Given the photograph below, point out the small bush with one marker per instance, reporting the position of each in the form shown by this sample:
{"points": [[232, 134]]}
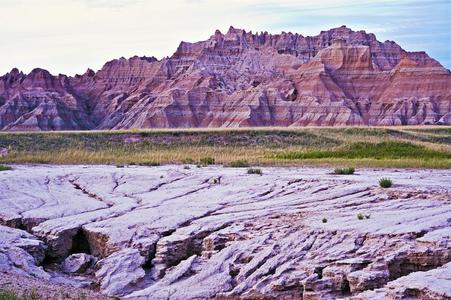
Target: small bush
{"points": [[150, 164], [385, 182], [240, 163], [344, 171], [5, 168], [324, 220], [360, 216], [205, 161], [33, 295], [189, 161], [119, 166], [8, 295], [254, 171], [186, 167]]}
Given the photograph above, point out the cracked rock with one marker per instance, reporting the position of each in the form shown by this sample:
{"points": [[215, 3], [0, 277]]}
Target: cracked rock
{"points": [[78, 263]]}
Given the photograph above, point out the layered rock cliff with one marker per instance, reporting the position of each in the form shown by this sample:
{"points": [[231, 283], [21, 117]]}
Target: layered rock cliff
{"points": [[339, 77]]}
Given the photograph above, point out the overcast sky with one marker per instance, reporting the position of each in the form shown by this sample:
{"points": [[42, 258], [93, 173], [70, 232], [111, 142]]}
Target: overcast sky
{"points": [[68, 36]]}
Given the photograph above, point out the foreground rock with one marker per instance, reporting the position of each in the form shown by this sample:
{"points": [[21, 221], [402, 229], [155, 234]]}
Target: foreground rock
{"points": [[78, 263], [239, 78], [174, 233]]}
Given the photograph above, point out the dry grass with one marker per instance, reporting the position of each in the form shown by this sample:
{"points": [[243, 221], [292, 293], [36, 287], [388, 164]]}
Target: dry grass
{"points": [[418, 147]]}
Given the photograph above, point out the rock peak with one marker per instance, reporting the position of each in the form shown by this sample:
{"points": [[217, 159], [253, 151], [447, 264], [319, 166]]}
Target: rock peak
{"points": [[215, 82]]}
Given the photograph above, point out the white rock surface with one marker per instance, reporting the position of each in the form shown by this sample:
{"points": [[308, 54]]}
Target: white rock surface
{"points": [[21, 253], [120, 271], [78, 263], [171, 233]]}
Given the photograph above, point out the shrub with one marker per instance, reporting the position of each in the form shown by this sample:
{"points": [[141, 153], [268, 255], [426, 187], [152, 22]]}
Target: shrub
{"points": [[205, 161], [8, 295], [186, 167], [189, 161], [344, 171], [385, 182], [5, 168], [361, 216], [240, 163], [119, 166], [150, 164], [324, 220], [254, 171], [34, 295]]}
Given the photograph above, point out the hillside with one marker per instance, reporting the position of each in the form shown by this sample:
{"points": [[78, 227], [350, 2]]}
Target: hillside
{"points": [[239, 79]]}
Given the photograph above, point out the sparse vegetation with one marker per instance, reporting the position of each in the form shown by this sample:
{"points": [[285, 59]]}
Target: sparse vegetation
{"points": [[205, 161], [344, 171], [361, 216], [31, 294], [5, 168], [254, 171], [240, 163], [8, 295], [150, 163], [428, 147], [385, 182], [188, 161]]}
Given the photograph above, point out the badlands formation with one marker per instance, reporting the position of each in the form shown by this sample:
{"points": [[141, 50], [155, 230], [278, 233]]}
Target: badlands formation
{"points": [[175, 233], [339, 77]]}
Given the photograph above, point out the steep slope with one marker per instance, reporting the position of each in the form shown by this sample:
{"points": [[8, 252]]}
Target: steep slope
{"points": [[339, 77]]}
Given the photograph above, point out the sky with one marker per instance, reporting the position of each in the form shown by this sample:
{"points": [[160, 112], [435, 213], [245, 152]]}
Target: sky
{"points": [[68, 36]]}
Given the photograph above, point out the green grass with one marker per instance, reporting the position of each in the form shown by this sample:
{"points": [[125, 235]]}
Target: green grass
{"points": [[240, 163], [402, 147], [26, 295], [385, 183], [206, 161], [382, 150], [344, 171], [150, 163], [5, 168], [8, 295]]}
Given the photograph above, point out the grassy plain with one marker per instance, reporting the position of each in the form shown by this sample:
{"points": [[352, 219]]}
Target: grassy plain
{"points": [[416, 146]]}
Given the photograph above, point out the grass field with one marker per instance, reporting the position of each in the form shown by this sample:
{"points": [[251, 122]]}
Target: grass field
{"points": [[427, 146]]}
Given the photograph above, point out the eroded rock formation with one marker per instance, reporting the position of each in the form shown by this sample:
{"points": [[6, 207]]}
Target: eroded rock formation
{"points": [[339, 77], [174, 233]]}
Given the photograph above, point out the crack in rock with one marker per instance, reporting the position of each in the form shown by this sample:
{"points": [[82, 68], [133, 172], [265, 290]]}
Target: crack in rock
{"points": [[292, 233]]}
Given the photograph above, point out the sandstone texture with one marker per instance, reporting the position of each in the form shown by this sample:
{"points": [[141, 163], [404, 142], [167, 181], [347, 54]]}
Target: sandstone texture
{"points": [[174, 233], [339, 77]]}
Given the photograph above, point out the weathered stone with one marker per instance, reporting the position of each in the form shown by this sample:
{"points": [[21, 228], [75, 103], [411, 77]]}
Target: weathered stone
{"points": [[78, 263], [182, 236], [20, 253], [120, 271]]}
